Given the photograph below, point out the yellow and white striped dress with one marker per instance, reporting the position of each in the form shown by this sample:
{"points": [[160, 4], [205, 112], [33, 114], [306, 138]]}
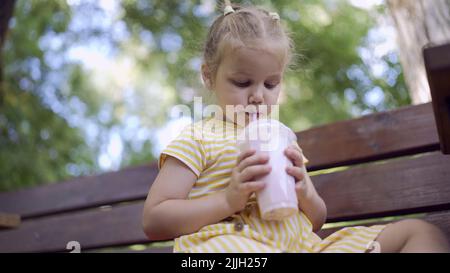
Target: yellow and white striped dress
{"points": [[209, 149]]}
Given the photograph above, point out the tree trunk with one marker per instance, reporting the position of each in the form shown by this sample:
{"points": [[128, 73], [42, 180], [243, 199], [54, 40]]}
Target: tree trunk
{"points": [[418, 23], [6, 12]]}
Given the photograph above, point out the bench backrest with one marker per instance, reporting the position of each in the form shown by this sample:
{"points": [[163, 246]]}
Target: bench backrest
{"points": [[391, 166]]}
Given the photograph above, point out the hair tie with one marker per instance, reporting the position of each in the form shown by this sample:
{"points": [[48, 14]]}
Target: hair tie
{"points": [[274, 16], [228, 9]]}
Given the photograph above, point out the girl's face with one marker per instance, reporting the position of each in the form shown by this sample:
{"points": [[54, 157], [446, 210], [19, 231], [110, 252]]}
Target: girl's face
{"points": [[248, 76]]}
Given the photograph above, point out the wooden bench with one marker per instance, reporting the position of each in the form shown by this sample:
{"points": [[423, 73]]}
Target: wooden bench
{"points": [[390, 164]]}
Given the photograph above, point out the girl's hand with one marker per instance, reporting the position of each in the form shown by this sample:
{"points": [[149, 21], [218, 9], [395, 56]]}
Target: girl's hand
{"points": [[250, 165], [298, 171], [309, 200]]}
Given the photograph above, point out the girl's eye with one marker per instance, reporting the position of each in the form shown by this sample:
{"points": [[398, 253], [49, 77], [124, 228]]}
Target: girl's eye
{"points": [[242, 84], [270, 85]]}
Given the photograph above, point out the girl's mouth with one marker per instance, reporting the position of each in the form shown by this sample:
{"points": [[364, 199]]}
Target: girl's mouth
{"points": [[257, 115]]}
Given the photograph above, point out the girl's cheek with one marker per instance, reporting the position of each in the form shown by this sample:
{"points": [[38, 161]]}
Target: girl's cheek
{"points": [[238, 95], [272, 99]]}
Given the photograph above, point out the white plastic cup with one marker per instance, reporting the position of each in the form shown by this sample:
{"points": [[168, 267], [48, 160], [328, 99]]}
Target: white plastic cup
{"points": [[278, 199]]}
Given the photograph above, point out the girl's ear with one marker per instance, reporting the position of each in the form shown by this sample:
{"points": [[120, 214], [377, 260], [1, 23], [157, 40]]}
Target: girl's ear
{"points": [[206, 76]]}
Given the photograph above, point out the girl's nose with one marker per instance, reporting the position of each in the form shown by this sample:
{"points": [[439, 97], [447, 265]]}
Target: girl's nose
{"points": [[256, 96]]}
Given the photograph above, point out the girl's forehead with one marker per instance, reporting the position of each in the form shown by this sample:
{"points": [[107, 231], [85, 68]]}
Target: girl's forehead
{"points": [[246, 59]]}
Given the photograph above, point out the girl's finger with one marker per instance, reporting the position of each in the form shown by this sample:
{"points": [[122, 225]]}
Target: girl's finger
{"points": [[252, 171], [244, 155], [296, 148], [295, 156], [254, 159], [296, 172], [251, 186]]}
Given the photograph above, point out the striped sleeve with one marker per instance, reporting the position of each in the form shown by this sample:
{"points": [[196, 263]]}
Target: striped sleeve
{"points": [[305, 160], [186, 148]]}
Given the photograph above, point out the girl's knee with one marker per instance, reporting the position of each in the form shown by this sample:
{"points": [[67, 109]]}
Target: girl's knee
{"points": [[416, 227], [412, 235], [424, 236]]}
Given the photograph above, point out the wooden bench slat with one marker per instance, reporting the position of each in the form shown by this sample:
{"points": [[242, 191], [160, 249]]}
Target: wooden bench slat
{"points": [[437, 64], [125, 185], [437, 58], [404, 131], [405, 185], [92, 228]]}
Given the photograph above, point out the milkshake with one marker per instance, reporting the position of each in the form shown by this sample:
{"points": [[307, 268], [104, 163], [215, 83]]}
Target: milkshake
{"points": [[278, 199]]}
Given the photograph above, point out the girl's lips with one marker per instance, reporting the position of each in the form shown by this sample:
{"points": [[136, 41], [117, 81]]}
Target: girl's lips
{"points": [[248, 114]]}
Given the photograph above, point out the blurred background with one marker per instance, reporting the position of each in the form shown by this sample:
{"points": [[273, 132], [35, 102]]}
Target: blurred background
{"points": [[87, 86]]}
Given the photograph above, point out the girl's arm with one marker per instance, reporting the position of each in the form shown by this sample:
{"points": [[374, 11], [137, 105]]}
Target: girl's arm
{"points": [[167, 211], [312, 204]]}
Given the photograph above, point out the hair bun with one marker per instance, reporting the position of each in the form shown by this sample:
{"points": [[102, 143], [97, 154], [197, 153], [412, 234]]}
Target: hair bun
{"points": [[228, 9], [274, 16]]}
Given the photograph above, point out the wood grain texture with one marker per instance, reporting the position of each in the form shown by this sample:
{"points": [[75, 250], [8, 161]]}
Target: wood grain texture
{"points": [[92, 228], [437, 64], [125, 185], [404, 131], [405, 185]]}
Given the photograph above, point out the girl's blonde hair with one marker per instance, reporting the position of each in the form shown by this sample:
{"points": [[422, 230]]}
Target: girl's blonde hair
{"points": [[247, 26]]}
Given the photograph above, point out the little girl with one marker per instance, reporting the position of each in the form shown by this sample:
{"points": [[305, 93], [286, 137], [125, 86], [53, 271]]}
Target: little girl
{"points": [[204, 194]]}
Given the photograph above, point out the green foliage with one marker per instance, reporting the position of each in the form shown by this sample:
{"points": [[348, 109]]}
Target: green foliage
{"points": [[36, 144], [327, 38]]}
